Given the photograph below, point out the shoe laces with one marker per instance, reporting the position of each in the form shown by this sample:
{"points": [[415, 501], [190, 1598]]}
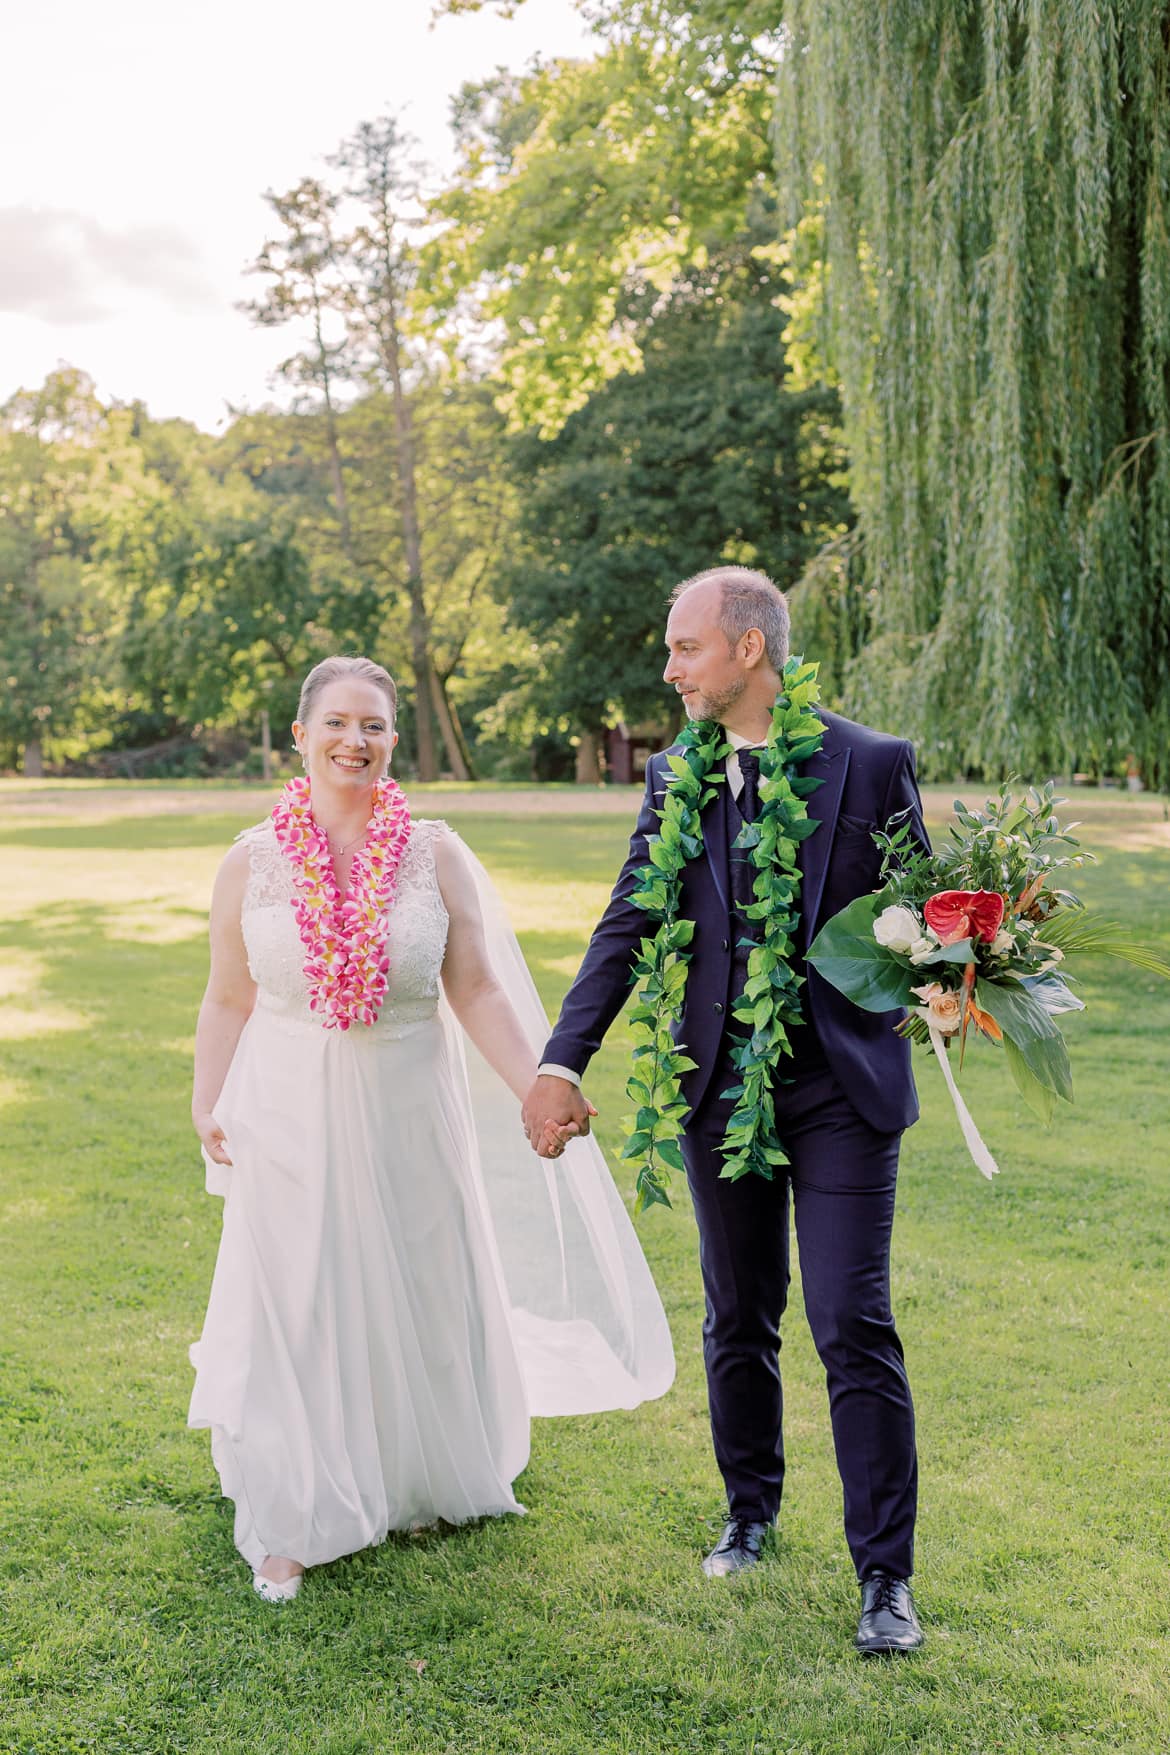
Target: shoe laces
{"points": [[885, 1594], [736, 1533]]}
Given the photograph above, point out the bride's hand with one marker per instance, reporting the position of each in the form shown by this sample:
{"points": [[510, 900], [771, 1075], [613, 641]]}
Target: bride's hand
{"points": [[212, 1136], [556, 1134]]}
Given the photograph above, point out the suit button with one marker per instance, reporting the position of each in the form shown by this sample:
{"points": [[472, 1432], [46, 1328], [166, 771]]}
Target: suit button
{"points": [[726, 944], [718, 1007]]}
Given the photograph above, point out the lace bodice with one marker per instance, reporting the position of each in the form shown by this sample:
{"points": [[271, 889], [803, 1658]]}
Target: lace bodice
{"points": [[415, 943]]}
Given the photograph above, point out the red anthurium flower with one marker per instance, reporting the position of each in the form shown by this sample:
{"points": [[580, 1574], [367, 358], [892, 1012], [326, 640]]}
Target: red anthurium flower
{"points": [[957, 914]]}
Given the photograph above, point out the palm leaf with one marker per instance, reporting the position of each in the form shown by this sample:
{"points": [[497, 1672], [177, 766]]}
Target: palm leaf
{"points": [[1078, 932]]}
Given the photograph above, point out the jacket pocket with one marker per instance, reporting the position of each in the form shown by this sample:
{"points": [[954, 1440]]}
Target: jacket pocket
{"points": [[855, 826]]}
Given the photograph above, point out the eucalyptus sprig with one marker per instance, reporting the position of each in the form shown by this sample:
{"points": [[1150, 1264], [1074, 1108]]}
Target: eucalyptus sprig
{"points": [[770, 1003], [1009, 845]]}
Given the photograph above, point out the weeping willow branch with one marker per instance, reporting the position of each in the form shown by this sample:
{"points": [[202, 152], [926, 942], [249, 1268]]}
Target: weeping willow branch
{"points": [[992, 179]]}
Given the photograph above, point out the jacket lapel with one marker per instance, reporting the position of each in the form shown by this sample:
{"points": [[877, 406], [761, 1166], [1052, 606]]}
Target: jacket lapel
{"points": [[714, 823], [715, 843], [830, 767]]}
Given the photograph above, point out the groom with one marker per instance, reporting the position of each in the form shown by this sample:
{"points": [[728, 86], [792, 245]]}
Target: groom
{"points": [[847, 1094]]}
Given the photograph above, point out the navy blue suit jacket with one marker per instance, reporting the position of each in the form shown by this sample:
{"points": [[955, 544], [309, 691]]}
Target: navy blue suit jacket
{"points": [[868, 779]]}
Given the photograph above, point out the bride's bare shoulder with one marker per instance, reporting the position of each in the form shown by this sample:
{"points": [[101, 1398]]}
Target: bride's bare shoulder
{"points": [[231, 880], [234, 867], [451, 869], [239, 853], [436, 837]]}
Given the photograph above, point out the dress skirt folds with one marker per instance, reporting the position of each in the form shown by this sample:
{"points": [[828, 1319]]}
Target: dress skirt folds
{"points": [[400, 1282]]}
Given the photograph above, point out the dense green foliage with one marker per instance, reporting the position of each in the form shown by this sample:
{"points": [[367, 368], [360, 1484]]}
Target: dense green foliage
{"points": [[992, 181], [701, 454], [60, 457], [878, 300], [1035, 1316], [976, 201], [587, 187]]}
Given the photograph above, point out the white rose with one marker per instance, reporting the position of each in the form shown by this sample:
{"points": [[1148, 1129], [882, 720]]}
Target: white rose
{"points": [[1003, 943], [924, 947], [897, 928]]}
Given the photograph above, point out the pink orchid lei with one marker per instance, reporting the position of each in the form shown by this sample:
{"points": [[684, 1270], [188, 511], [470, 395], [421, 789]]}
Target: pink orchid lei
{"points": [[344, 937]]}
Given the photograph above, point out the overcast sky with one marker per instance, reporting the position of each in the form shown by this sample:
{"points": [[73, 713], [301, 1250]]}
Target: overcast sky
{"points": [[137, 140]]}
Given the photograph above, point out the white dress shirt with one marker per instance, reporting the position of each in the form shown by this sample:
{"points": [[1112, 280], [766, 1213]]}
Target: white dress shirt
{"points": [[735, 782]]}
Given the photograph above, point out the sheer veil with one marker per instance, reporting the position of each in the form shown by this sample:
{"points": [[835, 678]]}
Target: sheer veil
{"points": [[588, 1323]]}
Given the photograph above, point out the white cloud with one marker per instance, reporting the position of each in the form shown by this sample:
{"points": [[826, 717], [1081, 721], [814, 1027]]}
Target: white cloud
{"points": [[65, 267], [132, 169]]}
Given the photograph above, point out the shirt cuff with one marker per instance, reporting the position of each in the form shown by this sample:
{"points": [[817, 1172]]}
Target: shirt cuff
{"points": [[559, 1072]]}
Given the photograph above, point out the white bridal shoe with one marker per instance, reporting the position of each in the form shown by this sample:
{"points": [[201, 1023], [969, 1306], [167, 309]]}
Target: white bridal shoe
{"points": [[271, 1592]]}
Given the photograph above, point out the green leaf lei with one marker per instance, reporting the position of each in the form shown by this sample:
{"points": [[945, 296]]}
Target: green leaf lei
{"points": [[770, 1003]]}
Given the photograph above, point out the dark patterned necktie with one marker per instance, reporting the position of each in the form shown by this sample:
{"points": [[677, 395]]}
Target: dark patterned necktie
{"points": [[749, 798]]}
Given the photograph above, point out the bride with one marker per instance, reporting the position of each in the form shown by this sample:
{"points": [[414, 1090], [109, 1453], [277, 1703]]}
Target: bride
{"points": [[400, 1284]]}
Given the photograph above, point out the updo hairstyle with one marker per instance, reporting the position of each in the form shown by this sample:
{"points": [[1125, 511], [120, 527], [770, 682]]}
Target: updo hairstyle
{"points": [[330, 669]]}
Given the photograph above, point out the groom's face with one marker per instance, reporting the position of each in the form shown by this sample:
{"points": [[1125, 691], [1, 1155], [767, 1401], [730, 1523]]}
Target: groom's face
{"points": [[707, 673]]}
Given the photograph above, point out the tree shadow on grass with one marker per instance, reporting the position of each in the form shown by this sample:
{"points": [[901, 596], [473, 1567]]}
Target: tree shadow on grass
{"points": [[129, 834]]}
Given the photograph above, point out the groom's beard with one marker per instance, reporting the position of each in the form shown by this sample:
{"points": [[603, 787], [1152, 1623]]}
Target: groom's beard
{"points": [[714, 705]]}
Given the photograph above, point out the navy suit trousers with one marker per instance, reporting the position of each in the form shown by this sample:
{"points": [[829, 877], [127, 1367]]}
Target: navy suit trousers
{"points": [[842, 1176]]}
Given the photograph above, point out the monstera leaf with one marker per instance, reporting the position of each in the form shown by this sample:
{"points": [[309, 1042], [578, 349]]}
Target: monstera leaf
{"points": [[849, 958], [1030, 1029]]}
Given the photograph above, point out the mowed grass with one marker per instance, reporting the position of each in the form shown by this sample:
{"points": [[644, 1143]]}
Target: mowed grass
{"points": [[1035, 1314]]}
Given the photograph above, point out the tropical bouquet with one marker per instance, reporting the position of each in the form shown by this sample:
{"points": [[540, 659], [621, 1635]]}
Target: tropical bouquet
{"points": [[975, 940]]}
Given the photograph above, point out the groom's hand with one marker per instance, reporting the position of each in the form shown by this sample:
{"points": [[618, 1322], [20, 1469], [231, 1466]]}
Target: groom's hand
{"points": [[554, 1100]]}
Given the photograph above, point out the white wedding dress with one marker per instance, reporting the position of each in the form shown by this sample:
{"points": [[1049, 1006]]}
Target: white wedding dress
{"points": [[400, 1281]]}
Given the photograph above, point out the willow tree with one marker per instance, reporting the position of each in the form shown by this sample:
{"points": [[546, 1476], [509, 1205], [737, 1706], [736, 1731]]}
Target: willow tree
{"points": [[992, 178]]}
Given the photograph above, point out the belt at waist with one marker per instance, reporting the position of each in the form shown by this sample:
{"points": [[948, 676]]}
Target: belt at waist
{"points": [[398, 1018]]}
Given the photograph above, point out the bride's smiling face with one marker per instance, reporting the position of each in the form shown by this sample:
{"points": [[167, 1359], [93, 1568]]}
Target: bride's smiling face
{"points": [[349, 736]]}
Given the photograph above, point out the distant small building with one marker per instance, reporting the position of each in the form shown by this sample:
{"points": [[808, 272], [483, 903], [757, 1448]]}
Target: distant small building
{"points": [[629, 747]]}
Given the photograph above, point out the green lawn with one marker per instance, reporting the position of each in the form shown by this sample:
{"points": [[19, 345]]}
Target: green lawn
{"points": [[1035, 1313]]}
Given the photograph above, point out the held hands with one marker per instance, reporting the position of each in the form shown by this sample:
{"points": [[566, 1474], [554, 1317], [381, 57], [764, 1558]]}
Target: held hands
{"points": [[554, 1138], [212, 1137], [554, 1111]]}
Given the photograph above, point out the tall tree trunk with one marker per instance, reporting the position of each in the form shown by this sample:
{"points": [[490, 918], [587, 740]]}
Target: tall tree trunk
{"points": [[428, 767], [34, 759], [372, 154], [335, 470], [424, 730], [457, 752], [265, 744], [460, 734], [589, 759]]}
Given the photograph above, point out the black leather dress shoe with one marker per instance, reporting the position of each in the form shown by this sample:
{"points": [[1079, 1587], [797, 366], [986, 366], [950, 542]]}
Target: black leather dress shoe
{"points": [[888, 1622], [740, 1545]]}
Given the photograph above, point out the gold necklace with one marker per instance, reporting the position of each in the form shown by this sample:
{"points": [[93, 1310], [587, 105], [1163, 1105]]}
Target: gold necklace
{"points": [[340, 852]]}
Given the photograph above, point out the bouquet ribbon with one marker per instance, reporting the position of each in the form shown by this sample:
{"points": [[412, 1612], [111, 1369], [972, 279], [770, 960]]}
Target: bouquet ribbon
{"points": [[983, 1159]]}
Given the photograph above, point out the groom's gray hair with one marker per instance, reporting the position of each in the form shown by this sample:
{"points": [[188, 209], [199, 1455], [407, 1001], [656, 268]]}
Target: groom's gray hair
{"points": [[747, 600]]}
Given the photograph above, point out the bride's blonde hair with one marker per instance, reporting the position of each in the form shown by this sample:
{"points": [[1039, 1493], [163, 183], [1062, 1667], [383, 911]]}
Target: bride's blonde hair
{"points": [[330, 669]]}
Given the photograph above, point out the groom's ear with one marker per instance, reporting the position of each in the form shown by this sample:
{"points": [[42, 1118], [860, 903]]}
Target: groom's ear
{"points": [[752, 647]]}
